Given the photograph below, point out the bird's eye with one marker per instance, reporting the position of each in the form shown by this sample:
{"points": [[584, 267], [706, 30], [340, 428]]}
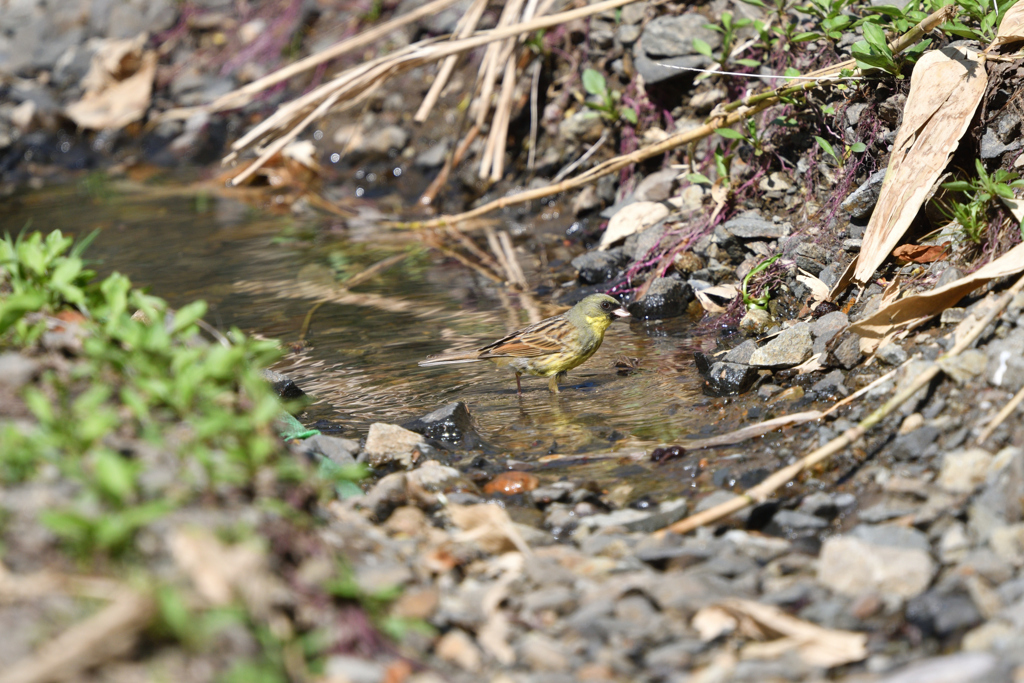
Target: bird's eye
{"points": [[606, 305]]}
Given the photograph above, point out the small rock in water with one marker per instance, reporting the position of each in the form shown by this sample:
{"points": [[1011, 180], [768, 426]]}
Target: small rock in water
{"points": [[282, 385], [791, 348], [337, 450], [451, 426], [755, 322], [512, 483], [667, 297], [729, 379]]}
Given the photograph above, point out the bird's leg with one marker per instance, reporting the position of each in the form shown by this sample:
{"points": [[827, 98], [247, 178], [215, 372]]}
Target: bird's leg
{"points": [[553, 383], [519, 386]]}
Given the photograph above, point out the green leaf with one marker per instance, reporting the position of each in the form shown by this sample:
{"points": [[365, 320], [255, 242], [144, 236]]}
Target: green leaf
{"points": [[858, 147], [187, 315], [806, 36], [827, 146], [594, 82], [753, 63], [791, 72], [15, 306], [958, 186], [701, 47], [698, 179], [115, 475], [629, 115], [875, 37], [730, 134]]}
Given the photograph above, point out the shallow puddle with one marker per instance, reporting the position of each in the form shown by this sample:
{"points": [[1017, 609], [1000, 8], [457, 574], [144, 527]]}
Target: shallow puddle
{"points": [[266, 275]]}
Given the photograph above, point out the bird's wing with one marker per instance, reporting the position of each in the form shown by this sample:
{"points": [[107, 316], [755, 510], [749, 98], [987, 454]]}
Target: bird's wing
{"points": [[540, 339]]}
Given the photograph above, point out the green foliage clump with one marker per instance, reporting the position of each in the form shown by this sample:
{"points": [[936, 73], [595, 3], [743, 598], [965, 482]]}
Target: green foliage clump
{"points": [[607, 101], [975, 213]]}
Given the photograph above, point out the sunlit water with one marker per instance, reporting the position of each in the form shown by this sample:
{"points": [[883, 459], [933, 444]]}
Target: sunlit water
{"points": [[265, 274]]}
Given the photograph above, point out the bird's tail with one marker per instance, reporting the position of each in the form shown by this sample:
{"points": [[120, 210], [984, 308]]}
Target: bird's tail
{"points": [[452, 358]]}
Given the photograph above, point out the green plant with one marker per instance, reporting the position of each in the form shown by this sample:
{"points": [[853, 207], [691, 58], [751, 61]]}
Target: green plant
{"points": [[833, 22], [983, 17], [761, 302], [840, 159], [723, 164], [607, 102], [727, 27], [973, 215], [752, 137]]}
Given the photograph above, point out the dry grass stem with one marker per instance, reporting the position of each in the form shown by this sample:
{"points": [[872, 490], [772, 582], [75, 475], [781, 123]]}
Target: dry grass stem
{"points": [[1000, 418], [762, 491], [465, 28], [516, 275]]}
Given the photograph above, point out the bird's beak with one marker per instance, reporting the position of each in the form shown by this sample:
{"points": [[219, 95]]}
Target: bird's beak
{"points": [[621, 313]]}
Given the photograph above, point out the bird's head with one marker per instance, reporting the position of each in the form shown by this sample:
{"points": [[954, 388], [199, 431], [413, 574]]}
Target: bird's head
{"points": [[598, 311]]}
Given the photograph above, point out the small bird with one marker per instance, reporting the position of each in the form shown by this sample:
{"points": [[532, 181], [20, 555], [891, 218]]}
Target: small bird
{"points": [[549, 348]]}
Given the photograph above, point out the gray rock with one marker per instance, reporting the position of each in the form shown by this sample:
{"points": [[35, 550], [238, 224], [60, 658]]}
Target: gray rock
{"points": [[811, 257], [390, 444], [382, 140], [798, 521], [882, 512], [1006, 362], [847, 353], [451, 425], [861, 201], [891, 535], [828, 326], [853, 245], [750, 226], [337, 450], [638, 245], [830, 383], [742, 353], [16, 370], [851, 566], [660, 69], [657, 187], [791, 348], [672, 36], [949, 275], [354, 669], [943, 614], [647, 521], [819, 504], [598, 267], [992, 148], [755, 322], [892, 354], [667, 297], [628, 34], [729, 379], [585, 125], [952, 316], [962, 667], [915, 444], [433, 156]]}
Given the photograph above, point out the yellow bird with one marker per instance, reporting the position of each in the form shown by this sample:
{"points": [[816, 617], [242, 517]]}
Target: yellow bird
{"points": [[549, 348]]}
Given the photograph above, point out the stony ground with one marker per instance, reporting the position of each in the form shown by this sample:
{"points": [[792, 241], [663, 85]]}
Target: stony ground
{"points": [[898, 561]]}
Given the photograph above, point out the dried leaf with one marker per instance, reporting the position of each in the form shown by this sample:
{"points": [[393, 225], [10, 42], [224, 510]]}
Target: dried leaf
{"points": [[716, 299], [921, 253], [819, 290], [816, 646], [1016, 206], [630, 219], [712, 622], [489, 526], [119, 102], [914, 310], [1011, 30], [945, 90]]}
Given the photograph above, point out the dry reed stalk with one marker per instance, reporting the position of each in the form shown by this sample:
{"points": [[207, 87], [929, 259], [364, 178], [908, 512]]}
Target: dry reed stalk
{"points": [[517, 276], [762, 491], [727, 116], [470, 246], [531, 157], [499, 253], [242, 96], [1004, 413], [357, 83], [467, 25]]}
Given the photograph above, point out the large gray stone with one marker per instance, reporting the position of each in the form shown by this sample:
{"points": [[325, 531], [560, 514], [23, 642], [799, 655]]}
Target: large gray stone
{"points": [[861, 201], [854, 567], [791, 348], [751, 226]]}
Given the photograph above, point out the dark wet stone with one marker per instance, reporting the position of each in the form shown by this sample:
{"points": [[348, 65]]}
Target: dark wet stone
{"points": [[848, 354], [751, 226], [598, 267], [751, 478], [451, 426], [819, 504], [703, 362], [667, 297], [791, 348], [913, 445], [282, 385], [942, 614], [830, 383], [729, 379], [861, 201]]}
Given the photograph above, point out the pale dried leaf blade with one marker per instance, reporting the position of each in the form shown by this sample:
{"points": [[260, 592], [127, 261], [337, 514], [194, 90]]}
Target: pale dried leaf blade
{"points": [[120, 103], [713, 621], [489, 526], [1011, 29], [914, 310], [819, 290], [715, 299], [945, 90], [817, 646], [630, 219]]}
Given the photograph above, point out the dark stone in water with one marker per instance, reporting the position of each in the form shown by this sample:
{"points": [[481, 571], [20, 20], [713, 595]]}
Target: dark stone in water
{"points": [[598, 267], [667, 297], [729, 379], [450, 426], [282, 385]]}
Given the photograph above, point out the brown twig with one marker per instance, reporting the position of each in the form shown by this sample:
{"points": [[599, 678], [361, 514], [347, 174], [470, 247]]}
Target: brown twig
{"points": [[1006, 411], [762, 491]]}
